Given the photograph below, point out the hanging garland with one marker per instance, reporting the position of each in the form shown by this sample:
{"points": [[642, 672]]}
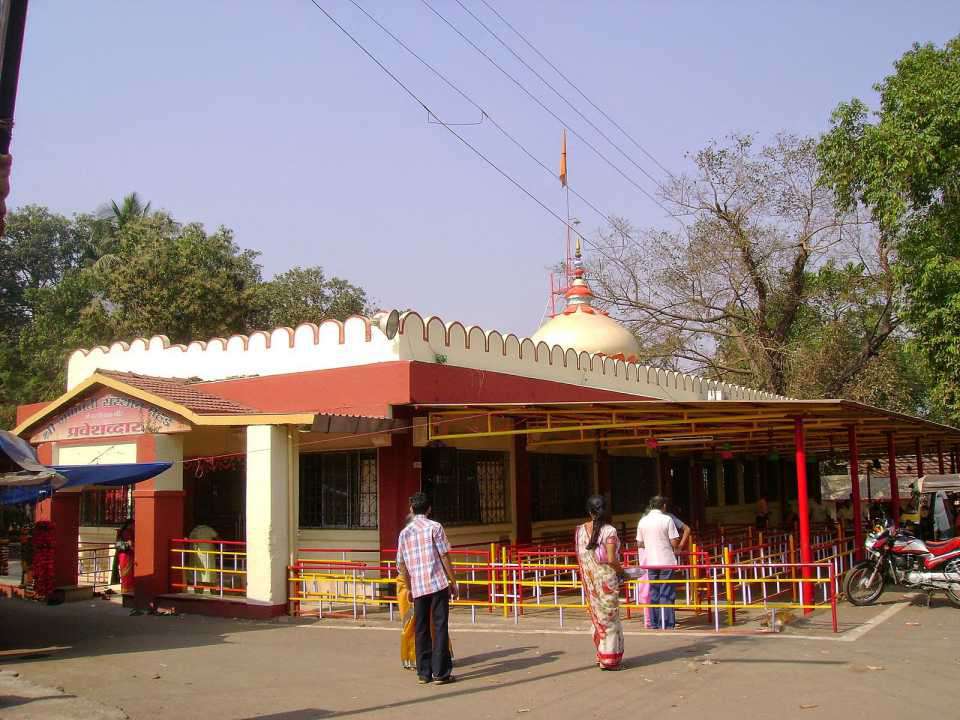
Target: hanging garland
{"points": [[42, 542], [198, 467]]}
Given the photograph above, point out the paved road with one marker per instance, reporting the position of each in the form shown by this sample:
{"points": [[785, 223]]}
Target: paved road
{"points": [[195, 667]]}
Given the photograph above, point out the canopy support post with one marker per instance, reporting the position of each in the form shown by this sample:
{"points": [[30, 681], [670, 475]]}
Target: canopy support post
{"points": [[803, 510], [894, 486], [855, 493]]}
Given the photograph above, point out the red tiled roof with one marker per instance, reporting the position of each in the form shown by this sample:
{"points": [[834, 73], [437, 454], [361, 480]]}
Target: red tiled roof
{"points": [[907, 465], [183, 392]]}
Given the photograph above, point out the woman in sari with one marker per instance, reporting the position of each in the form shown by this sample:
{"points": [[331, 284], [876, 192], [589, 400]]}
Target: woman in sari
{"points": [[408, 649], [598, 553], [123, 558]]}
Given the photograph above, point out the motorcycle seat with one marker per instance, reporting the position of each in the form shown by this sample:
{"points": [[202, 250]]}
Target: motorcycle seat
{"points": [[942, 547]]}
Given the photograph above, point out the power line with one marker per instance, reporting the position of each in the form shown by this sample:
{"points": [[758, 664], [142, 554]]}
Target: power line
{"points": [[539, 102], [574, 86], [558, 93], [483, 110], [449, 129]]}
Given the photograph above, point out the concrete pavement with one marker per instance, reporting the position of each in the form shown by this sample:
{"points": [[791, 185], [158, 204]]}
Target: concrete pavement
{"points": [[197, 667]]}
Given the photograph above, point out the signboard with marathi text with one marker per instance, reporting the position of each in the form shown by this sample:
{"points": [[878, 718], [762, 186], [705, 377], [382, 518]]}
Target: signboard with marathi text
{"points": [[107, 414]]}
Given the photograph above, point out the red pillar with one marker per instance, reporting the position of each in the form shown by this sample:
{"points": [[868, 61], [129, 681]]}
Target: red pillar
{"points": [[855, 492], [524, 490], [919, 459], [894, 486], [940, 457], [399, 479], [63, 510], [803, 510], [157, 519]]}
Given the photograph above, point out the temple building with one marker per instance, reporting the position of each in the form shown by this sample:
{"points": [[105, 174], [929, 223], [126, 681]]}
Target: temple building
{"points": [[316, 436]]}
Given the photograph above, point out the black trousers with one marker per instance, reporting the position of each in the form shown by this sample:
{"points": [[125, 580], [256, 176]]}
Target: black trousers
{"points": [[433, 648]]}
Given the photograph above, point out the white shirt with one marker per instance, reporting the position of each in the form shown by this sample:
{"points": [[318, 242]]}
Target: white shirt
{"points": [[655, 531]]}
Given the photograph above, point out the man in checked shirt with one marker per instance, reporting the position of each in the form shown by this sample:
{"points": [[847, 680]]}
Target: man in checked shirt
{"points": [[424, 563]]}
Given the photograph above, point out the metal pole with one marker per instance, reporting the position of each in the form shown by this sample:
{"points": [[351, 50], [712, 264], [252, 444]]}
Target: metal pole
{"points": [[14, 20], [800, 442], [894, 486], [855, 492]]}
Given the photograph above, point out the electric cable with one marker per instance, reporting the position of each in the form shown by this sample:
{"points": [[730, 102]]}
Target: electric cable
{"points": [[558, 94], [575, 87], [546, 109], [477, 152], [453, 86]]}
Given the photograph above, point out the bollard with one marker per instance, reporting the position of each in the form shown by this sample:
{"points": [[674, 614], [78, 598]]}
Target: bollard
{"points": [[792, 554], [503, 558], [731, 617]]}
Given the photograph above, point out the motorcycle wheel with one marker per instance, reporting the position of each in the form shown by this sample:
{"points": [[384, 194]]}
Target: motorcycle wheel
{"points": [[953, 595], [855, 584]]}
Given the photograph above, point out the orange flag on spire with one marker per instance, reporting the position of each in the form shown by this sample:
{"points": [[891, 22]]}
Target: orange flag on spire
{"points": [[563, 160]]}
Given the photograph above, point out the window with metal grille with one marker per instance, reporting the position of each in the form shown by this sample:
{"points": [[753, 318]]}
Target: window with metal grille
{"points": [[561, 485], [710, 489], [633, 481], [338, 489], [731, 488], [106, 506], [466, 487]]}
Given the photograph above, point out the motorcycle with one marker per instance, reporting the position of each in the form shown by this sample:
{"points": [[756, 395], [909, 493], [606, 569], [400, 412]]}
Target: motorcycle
{"points": [[897, 556]]}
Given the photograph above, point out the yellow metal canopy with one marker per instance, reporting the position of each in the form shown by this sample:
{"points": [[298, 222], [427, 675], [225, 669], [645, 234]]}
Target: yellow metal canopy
{"points": [[745, 427]]}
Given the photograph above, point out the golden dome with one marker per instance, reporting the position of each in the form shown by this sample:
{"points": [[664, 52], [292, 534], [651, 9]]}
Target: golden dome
{"points": [[582, 327]]}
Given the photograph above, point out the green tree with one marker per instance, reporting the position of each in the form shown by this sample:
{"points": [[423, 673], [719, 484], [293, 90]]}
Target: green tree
{"points": [[306, 295], [903, 164], [37, 251], [763, 275], [178, 280], [67, 283]]}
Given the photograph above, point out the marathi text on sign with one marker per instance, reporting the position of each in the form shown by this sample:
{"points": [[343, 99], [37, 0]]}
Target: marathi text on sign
{"points": [[106, 414]]}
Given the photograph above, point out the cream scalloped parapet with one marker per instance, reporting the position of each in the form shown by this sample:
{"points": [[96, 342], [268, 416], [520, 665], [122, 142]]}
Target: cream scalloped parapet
{"points": [[359, 341]]}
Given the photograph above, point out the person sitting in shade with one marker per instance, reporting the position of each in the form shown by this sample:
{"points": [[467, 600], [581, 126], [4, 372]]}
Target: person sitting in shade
{"points": [[205, 557]]}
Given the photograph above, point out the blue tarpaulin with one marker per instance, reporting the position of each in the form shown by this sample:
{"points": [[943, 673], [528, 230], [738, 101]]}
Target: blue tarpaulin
{"points": [[27, 480], [19, 466], [77, 475]]}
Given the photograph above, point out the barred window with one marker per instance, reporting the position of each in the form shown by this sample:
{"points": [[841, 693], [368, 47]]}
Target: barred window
{"points": [[338, 490], [561, 485], [731, 489], [466, 487], [106, 506], [633, 481]]}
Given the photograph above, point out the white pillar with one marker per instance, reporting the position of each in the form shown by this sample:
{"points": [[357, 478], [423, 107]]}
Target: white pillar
{"points": [[268, 496], [169, 448]]}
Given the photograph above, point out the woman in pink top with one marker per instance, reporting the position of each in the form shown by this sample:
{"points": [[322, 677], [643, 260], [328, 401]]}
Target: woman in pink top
{"points": [[598, 553]]}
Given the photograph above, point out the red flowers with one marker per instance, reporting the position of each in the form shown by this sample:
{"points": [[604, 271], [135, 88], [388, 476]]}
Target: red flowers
{"points": [[42, 542]]}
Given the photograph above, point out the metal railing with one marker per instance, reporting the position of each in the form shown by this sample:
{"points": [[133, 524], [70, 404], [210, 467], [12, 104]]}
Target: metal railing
{"points": [[95, 565], [213, 567], [513, 583]]}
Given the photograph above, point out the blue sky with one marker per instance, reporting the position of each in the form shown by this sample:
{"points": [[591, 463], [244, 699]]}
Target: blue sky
{"points": [[263, 117]]}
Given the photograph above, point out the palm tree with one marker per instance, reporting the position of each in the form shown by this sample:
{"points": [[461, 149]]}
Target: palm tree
{"points": [[130, 208], [111, 218]]}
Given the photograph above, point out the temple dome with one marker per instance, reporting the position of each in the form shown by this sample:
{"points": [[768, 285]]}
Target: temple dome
{"points": [[584, 328]]}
